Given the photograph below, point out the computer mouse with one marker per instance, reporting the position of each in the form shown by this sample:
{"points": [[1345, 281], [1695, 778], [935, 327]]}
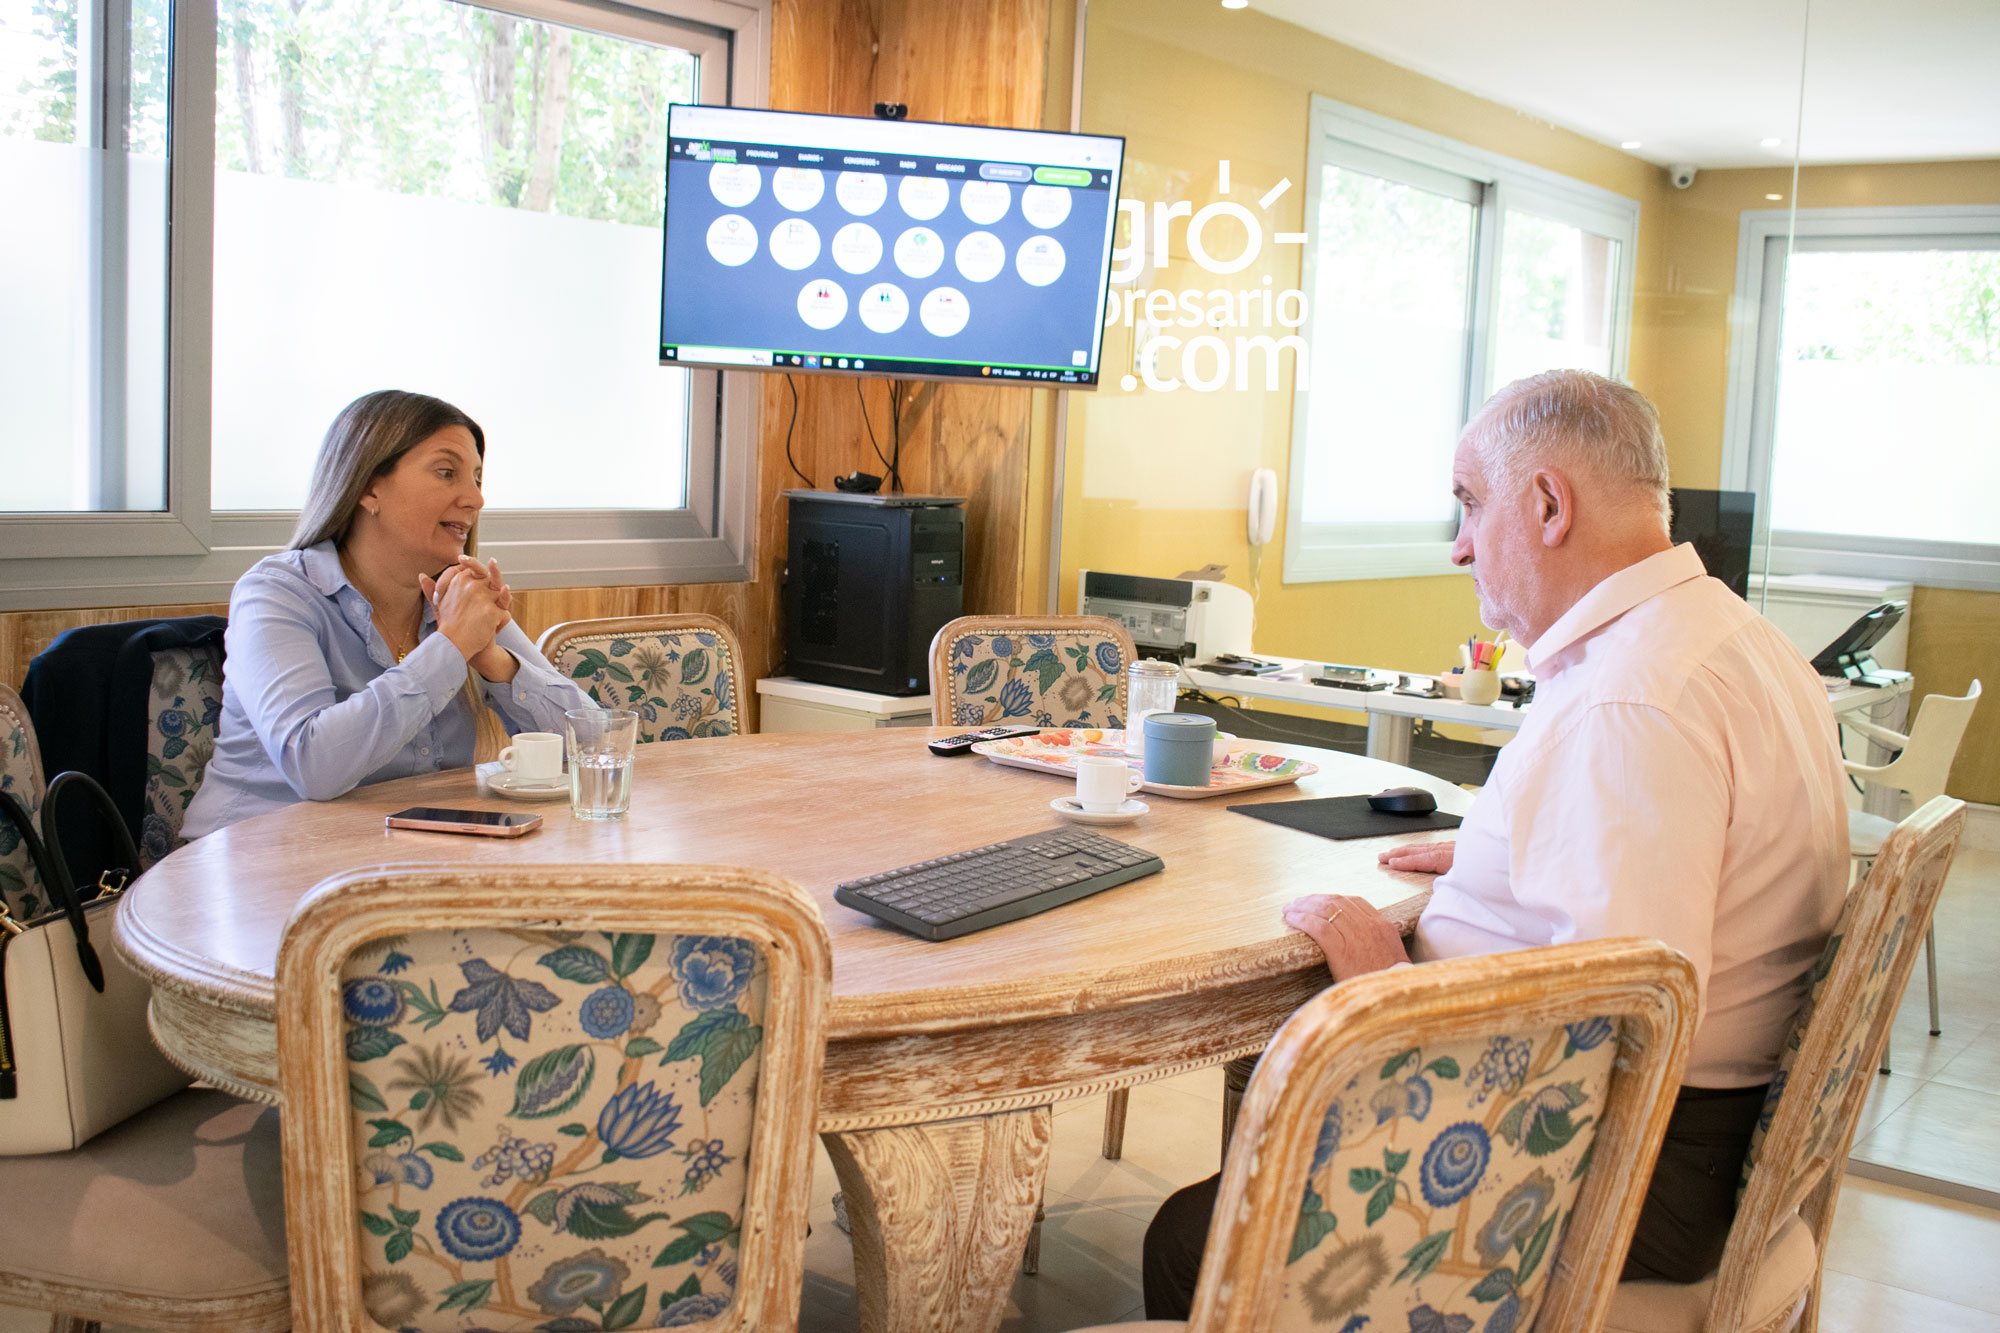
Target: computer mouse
{"points": [[1404, 801]]}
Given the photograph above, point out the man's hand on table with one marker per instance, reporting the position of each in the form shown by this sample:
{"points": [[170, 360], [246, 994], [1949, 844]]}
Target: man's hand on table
{"points": [[1355, 937], [1425, 858]]}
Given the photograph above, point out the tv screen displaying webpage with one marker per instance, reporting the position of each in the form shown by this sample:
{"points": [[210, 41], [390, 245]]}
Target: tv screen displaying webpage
{"points": [[904, 249]]}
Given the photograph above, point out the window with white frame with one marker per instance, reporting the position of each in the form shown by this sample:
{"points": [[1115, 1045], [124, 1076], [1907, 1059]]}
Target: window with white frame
{"points": [[462, 199], [1435, 272], [1864, 401]]}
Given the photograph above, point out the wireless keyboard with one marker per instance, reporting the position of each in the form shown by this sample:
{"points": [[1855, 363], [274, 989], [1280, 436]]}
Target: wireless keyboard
{"points": [[990, 886]]}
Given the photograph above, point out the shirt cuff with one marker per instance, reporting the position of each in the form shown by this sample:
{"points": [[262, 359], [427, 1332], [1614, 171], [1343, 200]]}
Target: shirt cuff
{"points": [[438, 669]]}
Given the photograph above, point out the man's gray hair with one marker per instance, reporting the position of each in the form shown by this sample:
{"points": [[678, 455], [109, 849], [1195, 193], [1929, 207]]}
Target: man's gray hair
{"points": [[1576, 419]]}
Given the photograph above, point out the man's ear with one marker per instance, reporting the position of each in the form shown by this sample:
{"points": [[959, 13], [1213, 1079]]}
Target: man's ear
{"points": [[1555, 505]]}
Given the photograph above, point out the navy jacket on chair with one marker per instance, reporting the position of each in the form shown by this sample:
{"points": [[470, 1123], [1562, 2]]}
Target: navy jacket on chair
{"points": [[87, 695]]}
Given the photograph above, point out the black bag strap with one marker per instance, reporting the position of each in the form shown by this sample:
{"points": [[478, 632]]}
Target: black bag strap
{"points": [[65, 889], [17, 815]]}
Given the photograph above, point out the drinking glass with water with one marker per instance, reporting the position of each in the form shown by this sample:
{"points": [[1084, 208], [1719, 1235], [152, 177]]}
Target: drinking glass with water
{"points": [[601, 743]]}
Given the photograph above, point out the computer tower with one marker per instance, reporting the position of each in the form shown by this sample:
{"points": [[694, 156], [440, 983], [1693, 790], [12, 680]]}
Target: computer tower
{"points": [[869, 581]]}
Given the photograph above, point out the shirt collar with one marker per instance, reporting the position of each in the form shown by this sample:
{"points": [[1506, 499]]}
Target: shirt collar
{"points": [[321, 563], [1613, 597]]}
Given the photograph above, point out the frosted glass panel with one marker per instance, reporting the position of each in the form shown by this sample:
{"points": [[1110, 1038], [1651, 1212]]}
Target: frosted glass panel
{"points": [[1558, 286], [429, 196], [1888, 414], [1392, 276]]}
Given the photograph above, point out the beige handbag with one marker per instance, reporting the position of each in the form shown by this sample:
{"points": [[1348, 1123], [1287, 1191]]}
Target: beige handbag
{"points": [[75, 1057]]}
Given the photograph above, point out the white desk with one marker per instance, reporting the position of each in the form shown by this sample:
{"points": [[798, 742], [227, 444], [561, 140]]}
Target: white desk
{"points": [[1392, 716]]}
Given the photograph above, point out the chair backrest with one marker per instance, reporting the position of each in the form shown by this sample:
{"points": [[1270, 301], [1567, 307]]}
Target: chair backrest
{"points": [[549, 1096], [20, 777], [683, 674], [183, 711], [1823, 1077], [1453, 1146], [1925, 763], [1048, 671]]}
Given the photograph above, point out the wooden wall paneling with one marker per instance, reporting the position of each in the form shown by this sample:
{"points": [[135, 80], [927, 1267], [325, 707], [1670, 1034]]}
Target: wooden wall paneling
{"points": [[25, 633], [1955, 640]]}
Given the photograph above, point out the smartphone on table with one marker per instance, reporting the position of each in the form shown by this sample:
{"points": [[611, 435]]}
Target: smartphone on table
{"points": [[479, 823]]}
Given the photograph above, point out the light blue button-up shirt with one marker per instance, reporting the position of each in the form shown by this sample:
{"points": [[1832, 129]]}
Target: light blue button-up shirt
{"points": [[314, 704]]}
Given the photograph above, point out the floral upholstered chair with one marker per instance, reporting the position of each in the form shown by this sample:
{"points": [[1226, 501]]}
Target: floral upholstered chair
{"points": [[20, 777], [1769, 1276], [1459, 1147], [1050, 671], [682, 674], [560, 1098], [182, 714]]}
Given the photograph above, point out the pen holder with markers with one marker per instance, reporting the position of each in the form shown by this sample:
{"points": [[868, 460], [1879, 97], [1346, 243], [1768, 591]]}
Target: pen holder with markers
{"points": [[1479, 687]]}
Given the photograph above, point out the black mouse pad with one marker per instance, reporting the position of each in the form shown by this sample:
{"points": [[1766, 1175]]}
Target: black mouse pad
{"points": [[1344, 817]]}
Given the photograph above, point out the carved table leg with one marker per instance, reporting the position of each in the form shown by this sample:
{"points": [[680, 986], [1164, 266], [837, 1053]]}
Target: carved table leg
{"points": [[940, 1212]]}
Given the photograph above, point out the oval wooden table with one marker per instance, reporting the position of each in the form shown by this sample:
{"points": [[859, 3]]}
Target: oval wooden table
{"points": [[943, 1059]]}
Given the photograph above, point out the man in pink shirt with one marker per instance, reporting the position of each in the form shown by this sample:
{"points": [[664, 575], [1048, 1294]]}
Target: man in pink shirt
{"points": [[1678, 778]]}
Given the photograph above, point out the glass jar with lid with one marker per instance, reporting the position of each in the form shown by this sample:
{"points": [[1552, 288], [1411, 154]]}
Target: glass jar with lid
{"points": [[1151, 687]]}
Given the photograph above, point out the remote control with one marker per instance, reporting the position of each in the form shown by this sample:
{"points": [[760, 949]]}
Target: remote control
{"points": [[951, 745]]}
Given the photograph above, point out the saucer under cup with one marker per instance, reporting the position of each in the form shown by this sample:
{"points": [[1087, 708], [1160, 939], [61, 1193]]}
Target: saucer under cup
{"points": [[1067, 807]]}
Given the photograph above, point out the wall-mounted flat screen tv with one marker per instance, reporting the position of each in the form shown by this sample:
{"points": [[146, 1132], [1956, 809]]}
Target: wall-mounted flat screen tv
{"points": [[904, 249]]}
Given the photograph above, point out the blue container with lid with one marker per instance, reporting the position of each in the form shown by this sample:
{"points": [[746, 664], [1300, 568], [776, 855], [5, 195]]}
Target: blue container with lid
{"points": [[1180, 748]]}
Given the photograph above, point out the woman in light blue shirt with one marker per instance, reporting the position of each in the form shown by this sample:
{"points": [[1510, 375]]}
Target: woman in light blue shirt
{"points": [[377, 647]]}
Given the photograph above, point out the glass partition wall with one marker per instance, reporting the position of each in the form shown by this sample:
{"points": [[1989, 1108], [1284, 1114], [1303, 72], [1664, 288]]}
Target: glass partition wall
{"points": [[1334, 248]]}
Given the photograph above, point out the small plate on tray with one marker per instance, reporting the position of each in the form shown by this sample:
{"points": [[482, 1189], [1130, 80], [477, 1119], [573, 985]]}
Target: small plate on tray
{"points": [[1055, 751]]}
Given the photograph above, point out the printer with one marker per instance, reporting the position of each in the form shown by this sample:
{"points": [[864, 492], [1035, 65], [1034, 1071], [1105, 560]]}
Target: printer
{"points": [[1176, 620]]}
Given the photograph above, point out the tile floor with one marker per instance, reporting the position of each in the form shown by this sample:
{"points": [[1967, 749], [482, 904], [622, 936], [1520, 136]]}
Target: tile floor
{"points": [[1934, 1123], [1902, 1259]]}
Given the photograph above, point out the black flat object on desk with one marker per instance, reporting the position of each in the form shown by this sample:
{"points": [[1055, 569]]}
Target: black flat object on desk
{"points": [[1342, 817], [1001, 882]]}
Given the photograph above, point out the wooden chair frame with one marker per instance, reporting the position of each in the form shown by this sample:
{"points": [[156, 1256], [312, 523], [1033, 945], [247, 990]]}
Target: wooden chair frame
{"points": [[944, 700], [348, 911], [556, 637], [1351, 1027], [1910, 869]]}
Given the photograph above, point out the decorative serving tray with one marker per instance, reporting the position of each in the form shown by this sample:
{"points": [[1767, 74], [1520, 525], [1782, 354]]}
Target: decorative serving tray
{"points": [[1056, 752]]}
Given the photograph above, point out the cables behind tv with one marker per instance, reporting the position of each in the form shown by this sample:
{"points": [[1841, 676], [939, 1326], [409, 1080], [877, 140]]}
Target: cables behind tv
{"points": [[788, 432], [896, 396], [862, 398]]}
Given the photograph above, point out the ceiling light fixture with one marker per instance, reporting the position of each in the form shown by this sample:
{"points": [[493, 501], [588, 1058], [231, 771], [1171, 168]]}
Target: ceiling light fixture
{"points": [[1774, 198], [1630, 144], [1236, 4], [1769, 143]]}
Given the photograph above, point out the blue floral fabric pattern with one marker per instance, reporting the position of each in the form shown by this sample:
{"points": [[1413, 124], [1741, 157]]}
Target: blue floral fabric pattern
{"points": [[1442, 1182], [1062, 678], [1849, 1061], [182, 716], [551, 1129], [20, 777], [682, 683]]}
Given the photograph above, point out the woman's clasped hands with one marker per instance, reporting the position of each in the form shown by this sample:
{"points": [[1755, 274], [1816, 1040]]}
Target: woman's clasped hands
{"points": [[473, 605]]}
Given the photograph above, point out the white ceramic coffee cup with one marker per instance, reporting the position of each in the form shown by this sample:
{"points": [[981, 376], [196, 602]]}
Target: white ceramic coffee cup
{"points": [[534, 756], [1102, 783]]}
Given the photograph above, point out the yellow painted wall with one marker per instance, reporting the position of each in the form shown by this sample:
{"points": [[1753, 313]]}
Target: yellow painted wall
{"points": [[1954, 634], [1156, 482]]}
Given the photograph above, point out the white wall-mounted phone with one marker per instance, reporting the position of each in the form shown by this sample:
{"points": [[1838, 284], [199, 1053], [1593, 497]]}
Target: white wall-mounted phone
{"points": [[1263, 505]]}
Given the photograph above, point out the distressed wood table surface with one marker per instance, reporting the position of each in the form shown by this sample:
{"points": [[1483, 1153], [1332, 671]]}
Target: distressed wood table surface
{"points": [[943, 1058]]}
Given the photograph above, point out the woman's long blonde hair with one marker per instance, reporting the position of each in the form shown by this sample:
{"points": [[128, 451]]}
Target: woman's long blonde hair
{"points": [[366, 441]]}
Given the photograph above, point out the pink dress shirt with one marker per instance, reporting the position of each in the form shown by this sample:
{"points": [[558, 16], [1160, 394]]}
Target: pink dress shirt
{"points": [[1678, 778]]}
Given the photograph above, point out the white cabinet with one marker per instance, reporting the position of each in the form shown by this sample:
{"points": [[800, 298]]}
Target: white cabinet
{"points": [[785, 704]]}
